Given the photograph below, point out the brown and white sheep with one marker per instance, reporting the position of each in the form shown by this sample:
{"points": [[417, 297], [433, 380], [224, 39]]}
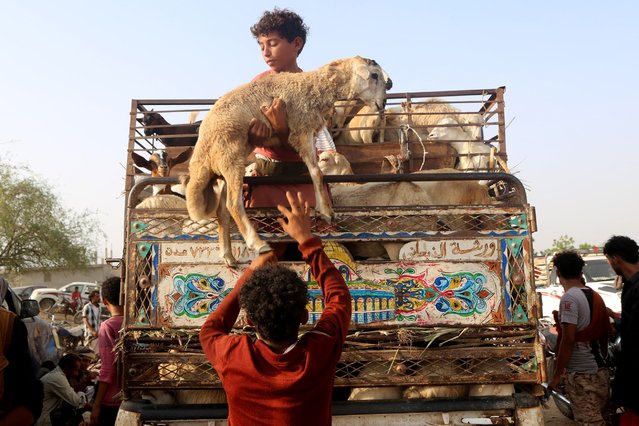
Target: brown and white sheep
{"points": [[223, 140]]}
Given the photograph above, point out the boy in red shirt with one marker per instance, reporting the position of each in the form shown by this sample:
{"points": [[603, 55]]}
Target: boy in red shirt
{"points": [[277, 378], [281, 36]]}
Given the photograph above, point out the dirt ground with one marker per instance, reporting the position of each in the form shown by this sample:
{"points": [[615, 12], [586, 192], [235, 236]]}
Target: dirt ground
{"points": [[553, 417]]}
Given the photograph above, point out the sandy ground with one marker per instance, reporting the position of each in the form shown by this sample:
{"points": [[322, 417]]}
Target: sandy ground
{"points": [[553, 417]]}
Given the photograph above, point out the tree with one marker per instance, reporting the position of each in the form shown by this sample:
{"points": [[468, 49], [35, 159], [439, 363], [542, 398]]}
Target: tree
{"points": [[564, 242], [35, 230], [585, 246]]}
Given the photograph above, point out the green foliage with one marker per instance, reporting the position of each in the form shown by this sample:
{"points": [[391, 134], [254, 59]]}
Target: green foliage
{"points": [[564, 242], [35, 230], [585, 246]]}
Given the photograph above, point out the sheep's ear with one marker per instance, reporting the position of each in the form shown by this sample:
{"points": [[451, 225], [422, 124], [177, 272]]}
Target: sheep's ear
{"points": [[362, 71], [181, 158], [140, 161]]}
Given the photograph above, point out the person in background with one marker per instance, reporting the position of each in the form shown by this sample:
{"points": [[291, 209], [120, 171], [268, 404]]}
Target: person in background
{"points": [[281, 35], [105, 407], [91, 319], [46, 366], [76, 299], [584, 328], [277, 377], [21, 392], [623, 255], [61, 401]]}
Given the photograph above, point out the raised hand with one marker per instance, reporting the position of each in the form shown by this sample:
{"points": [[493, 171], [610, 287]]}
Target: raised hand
{"points": [[297, 220]]}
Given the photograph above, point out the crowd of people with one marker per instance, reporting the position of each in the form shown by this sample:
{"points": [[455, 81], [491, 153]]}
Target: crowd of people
{"points": [[80, 389]]}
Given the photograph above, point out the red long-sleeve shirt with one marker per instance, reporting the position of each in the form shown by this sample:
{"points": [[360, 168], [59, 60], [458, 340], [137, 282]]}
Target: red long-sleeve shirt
{"points": [[264, 387]]}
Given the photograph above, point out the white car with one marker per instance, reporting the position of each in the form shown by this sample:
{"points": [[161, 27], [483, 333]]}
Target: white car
{"points": [[48, 297], [598, 275]]}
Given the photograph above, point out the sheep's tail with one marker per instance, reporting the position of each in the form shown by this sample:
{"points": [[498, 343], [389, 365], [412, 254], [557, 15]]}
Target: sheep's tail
{"points": [[193, 116]]}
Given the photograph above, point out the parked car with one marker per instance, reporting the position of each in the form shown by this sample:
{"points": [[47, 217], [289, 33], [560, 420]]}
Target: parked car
{"points": [[48, 297], [25, 291], [42, 345], [598, 275]]}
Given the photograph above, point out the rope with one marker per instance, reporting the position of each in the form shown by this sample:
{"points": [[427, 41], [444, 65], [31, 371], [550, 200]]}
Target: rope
{"points": [[405, 129]]}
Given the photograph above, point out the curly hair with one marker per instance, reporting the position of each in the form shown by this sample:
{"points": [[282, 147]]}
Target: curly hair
{"points": [[569, 264], [624, 247], [111, 290], [274, 298], [284, 21]]}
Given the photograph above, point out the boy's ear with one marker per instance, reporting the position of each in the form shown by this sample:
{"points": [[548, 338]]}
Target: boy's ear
{"points": [[298, 43], [304, 318]]}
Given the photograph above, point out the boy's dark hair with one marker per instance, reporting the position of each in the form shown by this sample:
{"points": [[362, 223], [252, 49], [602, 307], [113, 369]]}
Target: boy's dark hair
{"points": [[286, 22], [111, 290], [624, 247], [274, 298], [68, 361], [93, 293], [569, 264]]}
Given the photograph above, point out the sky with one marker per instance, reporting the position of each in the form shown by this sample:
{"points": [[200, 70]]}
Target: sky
{"points": [[70, 69]]}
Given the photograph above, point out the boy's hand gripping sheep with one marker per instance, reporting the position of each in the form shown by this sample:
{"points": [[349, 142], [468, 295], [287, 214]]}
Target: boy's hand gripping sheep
{"points": [[223, 141]]}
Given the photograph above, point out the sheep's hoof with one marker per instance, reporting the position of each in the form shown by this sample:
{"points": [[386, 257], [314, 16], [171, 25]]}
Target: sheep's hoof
{"points": [[327, 218], [230, 261], [264, 249]]}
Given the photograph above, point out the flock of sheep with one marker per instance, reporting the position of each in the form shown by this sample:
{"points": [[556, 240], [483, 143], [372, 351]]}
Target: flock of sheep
{"points": [[213, 187]]}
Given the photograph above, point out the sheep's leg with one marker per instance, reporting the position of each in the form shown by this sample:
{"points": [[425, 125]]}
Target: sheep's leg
{"points": [[308, 155], [234, 179], [197, 193], [224, 225]]}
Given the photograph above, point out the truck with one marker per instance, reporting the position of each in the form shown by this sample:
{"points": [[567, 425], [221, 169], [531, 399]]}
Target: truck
{"points": [[456, 307]]}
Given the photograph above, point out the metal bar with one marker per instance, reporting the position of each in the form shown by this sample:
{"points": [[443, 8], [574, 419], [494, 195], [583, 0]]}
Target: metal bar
{"points": [[403, 177], [502, 123]]}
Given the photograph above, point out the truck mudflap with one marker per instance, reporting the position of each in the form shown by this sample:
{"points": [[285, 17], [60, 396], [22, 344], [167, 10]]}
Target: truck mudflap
{"points": [[520, 409]]}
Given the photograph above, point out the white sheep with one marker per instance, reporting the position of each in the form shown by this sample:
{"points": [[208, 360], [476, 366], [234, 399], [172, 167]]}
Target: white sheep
{"points": [[474, 155], [162, 201], [362, 128], [223, 140], [444, 369], [416, 193], [423, 117], [333, 163], [376, 369]]}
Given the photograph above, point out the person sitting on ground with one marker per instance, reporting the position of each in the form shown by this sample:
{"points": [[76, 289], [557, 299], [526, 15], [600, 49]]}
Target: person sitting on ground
{"points": [[278, 377], [281, 35], [61, 401], [46, 366], [583, 329]]}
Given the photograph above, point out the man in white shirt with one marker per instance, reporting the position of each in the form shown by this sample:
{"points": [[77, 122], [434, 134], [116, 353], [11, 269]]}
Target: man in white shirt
{"points": [[58, 390], [91, 319]]}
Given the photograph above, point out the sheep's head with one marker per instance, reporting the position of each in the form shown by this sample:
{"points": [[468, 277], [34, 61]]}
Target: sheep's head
{"points": [[369, 82], [334, 163], [447, 129], [151, 119]]}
